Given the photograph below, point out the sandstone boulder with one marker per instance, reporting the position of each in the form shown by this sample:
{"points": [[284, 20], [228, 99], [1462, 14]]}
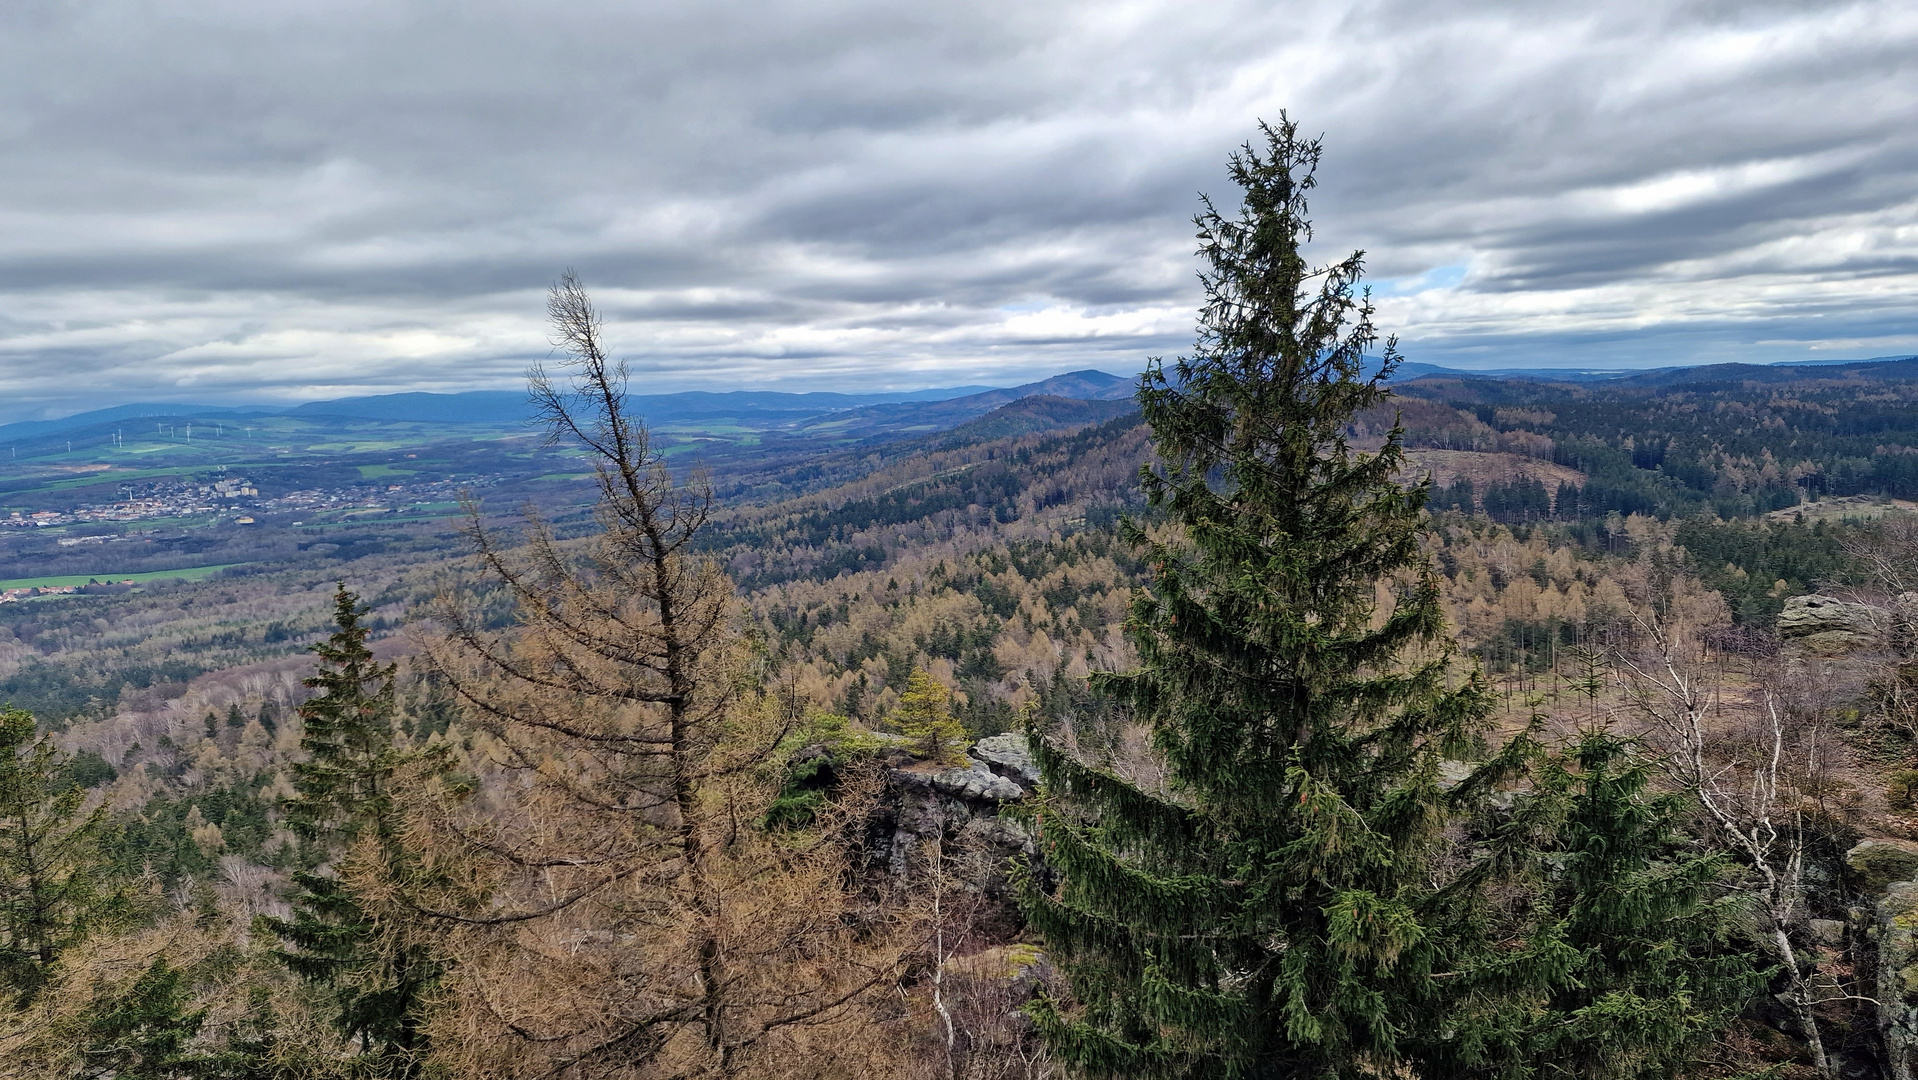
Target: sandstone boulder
{"points": [[1826, 624], [961, 804], [1010, 757], [1877, 864], [977, 783]]}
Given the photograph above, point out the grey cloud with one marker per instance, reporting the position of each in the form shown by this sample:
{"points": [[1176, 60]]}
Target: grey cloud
{"points": [[262, 200]]}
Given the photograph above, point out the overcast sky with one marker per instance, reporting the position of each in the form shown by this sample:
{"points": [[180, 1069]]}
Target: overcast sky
{"points": [[255, 200]]}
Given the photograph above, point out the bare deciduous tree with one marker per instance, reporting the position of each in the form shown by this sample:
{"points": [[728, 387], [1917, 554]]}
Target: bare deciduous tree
{"points": [[626, 914], [978, 1031], [1888, 551], [1745, 788]]}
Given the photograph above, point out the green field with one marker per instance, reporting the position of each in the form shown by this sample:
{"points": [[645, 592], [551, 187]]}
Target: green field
{"points": [[375, 472], [195, 573]]}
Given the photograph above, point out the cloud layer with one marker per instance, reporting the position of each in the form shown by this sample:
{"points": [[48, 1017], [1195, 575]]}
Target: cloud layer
{"points": [[256, 200]]}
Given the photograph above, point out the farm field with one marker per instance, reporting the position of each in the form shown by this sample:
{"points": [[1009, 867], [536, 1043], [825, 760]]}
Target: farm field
{"points": [[60, 581]]}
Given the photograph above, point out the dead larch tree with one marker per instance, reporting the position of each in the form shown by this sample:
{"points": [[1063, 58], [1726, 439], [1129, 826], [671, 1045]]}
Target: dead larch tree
{"points": [[626, 913]]}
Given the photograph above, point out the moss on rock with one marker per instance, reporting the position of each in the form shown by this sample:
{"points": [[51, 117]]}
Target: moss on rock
{"points": [[1878, 863]]}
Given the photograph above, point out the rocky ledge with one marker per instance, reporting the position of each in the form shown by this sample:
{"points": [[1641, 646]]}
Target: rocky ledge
{"points": [[998, 769], [959, 806]]}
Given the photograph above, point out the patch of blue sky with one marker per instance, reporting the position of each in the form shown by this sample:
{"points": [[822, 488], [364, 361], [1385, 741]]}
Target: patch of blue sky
{"points": [[1439, 277]]}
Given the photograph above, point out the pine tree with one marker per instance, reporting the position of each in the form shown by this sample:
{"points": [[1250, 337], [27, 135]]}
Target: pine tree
{"points": [[378, 968], [1265, 918], [53, 868]]}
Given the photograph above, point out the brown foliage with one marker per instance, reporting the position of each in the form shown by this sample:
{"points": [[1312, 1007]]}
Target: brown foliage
{"points": [[616, 908]]}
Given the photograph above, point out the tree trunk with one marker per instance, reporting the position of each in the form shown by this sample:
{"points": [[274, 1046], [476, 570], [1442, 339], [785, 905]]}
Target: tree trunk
{"points": [[1801, 1002]]}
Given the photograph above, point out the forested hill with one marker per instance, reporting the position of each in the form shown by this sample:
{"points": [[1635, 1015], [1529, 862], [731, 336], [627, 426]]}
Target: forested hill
{"points": [[1038, 472], [1734, 440], [940, 492], [982, 558]]}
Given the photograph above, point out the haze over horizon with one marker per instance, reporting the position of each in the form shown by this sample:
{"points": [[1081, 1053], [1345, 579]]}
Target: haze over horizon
{"points": [[273, 203]]}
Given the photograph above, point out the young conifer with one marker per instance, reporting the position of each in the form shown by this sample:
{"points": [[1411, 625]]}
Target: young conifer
{"points": [[924, 715], [1606, 951], [53, 868], [1264, 918], [378, 971], [639, 920]]}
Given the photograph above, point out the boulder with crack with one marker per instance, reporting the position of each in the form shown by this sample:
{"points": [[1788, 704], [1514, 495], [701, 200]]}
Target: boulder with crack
{"points": [[1826, 624], [1010, 757]]}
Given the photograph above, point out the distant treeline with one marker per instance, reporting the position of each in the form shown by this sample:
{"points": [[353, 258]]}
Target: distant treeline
{"points": [[1719, 445]]}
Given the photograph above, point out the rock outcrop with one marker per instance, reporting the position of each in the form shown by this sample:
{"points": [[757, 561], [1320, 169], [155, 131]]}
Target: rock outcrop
{"points": [[1897, 933], [1876, 864], [1010, 757], [1884, 871], [1827, 625], [960, 807]]}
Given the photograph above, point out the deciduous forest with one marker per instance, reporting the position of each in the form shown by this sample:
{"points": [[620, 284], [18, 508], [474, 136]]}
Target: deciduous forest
{"points": [[1293, 717]]}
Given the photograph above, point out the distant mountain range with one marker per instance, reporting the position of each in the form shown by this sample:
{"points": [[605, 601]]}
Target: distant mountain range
{"points": [[876, 415], [508, 406], [851, 413]]}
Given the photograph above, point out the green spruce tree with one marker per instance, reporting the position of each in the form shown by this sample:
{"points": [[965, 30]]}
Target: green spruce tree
{"points": [[1265, 918], [1305, 897], [54, 887], [379, 967], [144, 1032], [1608, 948]]}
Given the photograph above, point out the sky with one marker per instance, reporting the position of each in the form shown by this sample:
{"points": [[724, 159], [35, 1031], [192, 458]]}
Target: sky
{"points": [[230, 201]]}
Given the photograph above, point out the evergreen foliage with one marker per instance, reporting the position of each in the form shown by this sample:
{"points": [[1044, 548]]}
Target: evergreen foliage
{"points": [[143, 1033], [1266, 918], [379, 973], [348, 737], [1297, 901], [1608, 954], [54, 887], [88, 769], [1458, 496], [158, 840], [924, 715], [1756, 565], [1518, 502]]}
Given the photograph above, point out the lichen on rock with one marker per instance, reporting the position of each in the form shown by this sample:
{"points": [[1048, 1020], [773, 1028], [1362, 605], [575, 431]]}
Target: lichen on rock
{"points": [[1010, 757], [1877, 864], [1897, 964]]}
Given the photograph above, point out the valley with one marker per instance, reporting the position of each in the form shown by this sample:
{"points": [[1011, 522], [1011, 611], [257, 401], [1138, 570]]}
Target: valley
{"points": [[979, 515], [976, 544]]}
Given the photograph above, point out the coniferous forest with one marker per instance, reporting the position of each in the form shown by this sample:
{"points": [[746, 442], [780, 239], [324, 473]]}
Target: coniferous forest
{"points": [[1300, 716]]}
